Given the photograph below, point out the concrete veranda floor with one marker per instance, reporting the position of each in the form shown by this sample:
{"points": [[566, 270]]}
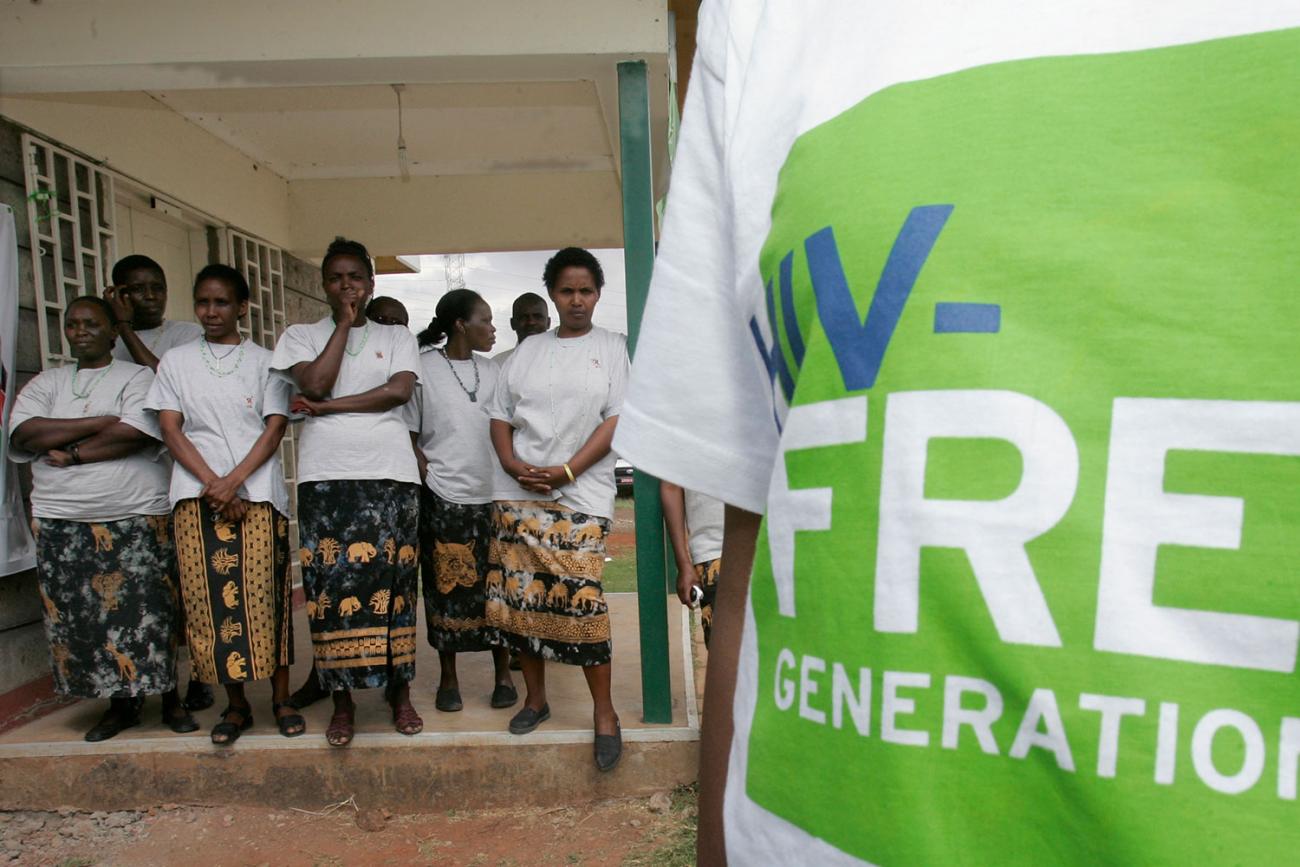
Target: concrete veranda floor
{"points": [[46, 763]]}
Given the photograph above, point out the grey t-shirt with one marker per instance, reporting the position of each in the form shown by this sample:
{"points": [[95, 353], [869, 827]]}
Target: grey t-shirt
{"points": [[105, 490], [354, 445], [161, 339], [454, 429], [704, 517], [555, 393], [224, 415]]}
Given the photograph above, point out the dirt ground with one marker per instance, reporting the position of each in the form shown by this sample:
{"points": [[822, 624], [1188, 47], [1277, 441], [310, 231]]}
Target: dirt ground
{"points": [[655, 832]]}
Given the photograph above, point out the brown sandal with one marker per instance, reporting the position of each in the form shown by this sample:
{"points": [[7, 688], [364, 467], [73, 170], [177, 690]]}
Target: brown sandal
{"points": [[342, 726], [406, 720]]}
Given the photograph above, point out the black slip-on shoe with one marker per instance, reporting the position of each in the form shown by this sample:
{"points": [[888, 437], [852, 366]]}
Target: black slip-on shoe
{"points": [[528, 719]]}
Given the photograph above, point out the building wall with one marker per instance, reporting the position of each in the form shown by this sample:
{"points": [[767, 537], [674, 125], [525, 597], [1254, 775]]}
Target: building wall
{"points": [[23, 654]]}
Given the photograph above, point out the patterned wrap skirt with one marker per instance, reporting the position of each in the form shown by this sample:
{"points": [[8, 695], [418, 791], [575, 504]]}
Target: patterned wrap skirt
{"points": [[454, 543], [707, 574], [543, 587], [237, 590], [111, 607], [360, 565]]}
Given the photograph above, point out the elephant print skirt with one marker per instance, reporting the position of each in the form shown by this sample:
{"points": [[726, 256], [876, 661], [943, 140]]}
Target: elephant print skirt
{"points": [[110, 605], [359, 560], [543, 585], [236, 587], [454, 542]]}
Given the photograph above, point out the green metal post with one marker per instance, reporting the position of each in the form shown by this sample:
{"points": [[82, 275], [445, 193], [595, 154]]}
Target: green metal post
{"points": [[638, 256]]}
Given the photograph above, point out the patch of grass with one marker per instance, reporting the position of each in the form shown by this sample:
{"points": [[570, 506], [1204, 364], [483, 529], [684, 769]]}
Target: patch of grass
{"points": [[677, 846], [620, 574]]}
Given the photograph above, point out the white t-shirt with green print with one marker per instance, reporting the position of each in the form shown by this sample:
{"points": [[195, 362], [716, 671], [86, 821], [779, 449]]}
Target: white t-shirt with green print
{"points": [[990, 310]]}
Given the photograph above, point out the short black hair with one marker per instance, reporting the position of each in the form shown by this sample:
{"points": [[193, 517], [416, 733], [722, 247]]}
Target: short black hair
{"points": [[134, 262], [572, 257], [456, 305], [379, 300], [341, 246], [527, 298], [95, 301], [230, 276]]}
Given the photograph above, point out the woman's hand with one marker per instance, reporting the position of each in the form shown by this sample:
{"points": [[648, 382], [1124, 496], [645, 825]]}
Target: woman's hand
{"points": [[59, 458], [686, 581], [349, 308], [221, 494], [118, 298], [303, 405], [543, 480], [236, 510]]}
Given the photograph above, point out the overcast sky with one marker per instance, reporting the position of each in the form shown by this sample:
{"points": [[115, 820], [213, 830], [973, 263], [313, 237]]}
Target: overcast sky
{"points": [[500, 278]]}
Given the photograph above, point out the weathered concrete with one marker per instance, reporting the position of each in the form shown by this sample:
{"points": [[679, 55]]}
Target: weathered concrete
{"points": [[464, 759]]}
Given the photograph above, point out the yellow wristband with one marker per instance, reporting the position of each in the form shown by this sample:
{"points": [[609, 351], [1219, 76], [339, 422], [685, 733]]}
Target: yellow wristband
{"points": [[568, 472]]}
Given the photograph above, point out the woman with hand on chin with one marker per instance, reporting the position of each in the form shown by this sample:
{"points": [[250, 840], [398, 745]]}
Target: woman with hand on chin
{"points": [[222, 414], [104, 556], [456, 500], [553, 416], [358, 492]]}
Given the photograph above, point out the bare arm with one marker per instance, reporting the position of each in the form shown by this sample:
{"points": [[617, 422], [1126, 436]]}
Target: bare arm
{"points": [[545, 479], [739, 536], [673, 499], [420, 457], [115, 441], [39, 435], [503, 442], [316, 379], [118, 298], [186, 454], [391, 394]]}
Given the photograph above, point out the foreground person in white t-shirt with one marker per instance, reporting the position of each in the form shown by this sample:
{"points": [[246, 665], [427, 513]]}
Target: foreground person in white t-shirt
{"points": [[223, 413], [989, 309], [455, 448], [553, 417], [358, 492], [104, 551]]}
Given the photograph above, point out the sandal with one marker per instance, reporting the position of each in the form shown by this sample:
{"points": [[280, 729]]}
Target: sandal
{"points": [[341, 728], [291, 724], [225, 732], [406, 720]]}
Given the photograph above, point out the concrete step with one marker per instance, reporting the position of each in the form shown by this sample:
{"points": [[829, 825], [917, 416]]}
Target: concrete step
{"points": [[461, 760]]}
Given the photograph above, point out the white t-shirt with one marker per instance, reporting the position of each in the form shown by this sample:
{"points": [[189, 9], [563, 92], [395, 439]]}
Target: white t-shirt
{"points": [[105, 490], [224, 415], [900, 234], [158, 340], [354, 445], [704, 518], [555, 393], [454, 429]]}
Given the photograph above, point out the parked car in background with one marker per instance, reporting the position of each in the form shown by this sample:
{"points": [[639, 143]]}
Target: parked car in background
{"points": [[623, 476]]}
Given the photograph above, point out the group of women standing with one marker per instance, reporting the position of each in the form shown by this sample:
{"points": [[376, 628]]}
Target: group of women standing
{"points": [[496, 484]]}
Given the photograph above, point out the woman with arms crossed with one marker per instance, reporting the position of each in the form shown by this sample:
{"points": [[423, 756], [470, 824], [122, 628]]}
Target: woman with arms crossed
{"points": [[456, 500], [222, 414], [358, 492], [553, 417], [104, 556]]}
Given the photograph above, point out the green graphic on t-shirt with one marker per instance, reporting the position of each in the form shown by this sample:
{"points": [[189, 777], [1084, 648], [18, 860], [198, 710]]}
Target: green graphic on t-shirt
{"points": [[1028, 590]]}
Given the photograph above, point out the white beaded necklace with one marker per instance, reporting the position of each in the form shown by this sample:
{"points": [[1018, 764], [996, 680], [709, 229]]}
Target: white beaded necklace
{"points": [[212, 361], [94, 381]]}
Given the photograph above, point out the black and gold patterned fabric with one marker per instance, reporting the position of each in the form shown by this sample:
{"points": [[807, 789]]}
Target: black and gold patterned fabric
{"points": [[543, 585], [454, 543], [237, 591], [360, 555], [707, 574], [110, 605]]}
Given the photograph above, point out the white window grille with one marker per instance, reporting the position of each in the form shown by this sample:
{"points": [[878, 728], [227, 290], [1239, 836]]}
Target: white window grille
{"points": [[74, 244], [263, 267]]}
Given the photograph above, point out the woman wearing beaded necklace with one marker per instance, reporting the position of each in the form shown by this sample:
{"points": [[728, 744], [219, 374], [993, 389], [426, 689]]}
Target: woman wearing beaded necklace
{"points": [[553, 416], [456, 499], [104, 556], [222, 414], [358, 492]]}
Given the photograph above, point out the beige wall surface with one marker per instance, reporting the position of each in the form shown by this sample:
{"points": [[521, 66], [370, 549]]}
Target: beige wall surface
{"points": [[461, 213], [139, 137]]}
